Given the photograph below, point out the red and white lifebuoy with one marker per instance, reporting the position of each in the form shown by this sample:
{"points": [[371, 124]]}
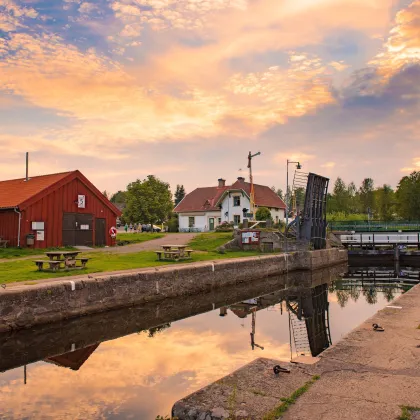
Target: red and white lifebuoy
{"points": [[113, 232]]}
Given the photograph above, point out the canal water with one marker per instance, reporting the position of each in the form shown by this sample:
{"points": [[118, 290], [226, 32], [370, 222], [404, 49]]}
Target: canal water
{"points": [[136, 363]]}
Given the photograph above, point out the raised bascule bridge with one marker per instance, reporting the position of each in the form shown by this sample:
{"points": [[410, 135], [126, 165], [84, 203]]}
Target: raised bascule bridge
{"points": [[309, 208]]}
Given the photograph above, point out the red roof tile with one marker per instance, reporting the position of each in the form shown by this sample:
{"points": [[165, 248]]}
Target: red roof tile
{"points": [[205, 199], [264, 196], [201, 199], [16, 191]]}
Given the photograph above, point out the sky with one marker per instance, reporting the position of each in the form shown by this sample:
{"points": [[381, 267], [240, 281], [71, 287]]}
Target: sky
{"points": [[184, 89]]}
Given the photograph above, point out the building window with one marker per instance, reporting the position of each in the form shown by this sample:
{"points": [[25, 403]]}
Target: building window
{"points": [[277, 219], [191, 221], [236, 201], [219, 220], [236, 219]]}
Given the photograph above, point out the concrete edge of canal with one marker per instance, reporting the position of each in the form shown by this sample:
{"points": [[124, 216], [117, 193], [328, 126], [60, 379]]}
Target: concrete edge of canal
{"points": [[365, 375], [52, 300]]}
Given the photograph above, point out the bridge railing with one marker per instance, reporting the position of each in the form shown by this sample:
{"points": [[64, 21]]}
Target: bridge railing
{"points": [[374, 226], [381, 238]]}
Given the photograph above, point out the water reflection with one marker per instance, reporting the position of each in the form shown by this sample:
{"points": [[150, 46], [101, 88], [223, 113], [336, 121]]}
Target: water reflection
{"points": [[136, 362]]}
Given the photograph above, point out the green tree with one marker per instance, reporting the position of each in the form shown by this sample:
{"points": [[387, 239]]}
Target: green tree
{"points": [[106, 194], [118, 197], [341, 196], [385, 202], [408, 197], [148, 201], [263, 214], [179, 194], [173, 222], [366, 195], [278, 191]]}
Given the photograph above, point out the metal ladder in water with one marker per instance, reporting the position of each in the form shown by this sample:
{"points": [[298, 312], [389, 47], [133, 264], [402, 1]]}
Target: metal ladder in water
{"points": [[298, 331]]}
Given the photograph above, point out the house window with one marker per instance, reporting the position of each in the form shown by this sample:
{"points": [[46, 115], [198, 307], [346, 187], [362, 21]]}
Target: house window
{"points": [[236, 201], [191, 221], [277, 219], [219, 220], [236, 219]]}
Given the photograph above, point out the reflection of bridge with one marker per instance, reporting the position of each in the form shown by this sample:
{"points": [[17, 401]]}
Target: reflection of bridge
{"points": [[308, 317], [309, 322], [394, 274]]}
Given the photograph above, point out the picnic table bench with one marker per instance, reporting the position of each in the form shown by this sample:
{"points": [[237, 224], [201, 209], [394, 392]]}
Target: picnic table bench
{"points": [[3, 243], [174, 252], [56, 263]]}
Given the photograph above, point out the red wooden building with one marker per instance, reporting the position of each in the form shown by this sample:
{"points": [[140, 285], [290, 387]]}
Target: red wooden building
{"points": [[55, 210]]}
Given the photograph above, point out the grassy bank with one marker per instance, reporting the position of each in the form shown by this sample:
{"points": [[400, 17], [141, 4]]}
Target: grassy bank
{"points": [[210, 241], [26, 270]]}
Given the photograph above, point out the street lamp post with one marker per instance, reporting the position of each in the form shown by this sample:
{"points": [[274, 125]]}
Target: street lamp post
{"points": [[298, 166]]}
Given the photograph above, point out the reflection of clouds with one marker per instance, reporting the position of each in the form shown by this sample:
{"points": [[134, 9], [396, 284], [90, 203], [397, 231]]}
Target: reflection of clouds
{"points": [[141, 377], [153, 372]]}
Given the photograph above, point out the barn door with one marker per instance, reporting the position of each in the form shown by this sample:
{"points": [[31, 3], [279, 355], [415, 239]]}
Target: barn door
{"points": [[100, 232], [77, 229], [84, 229], [69, 229]]}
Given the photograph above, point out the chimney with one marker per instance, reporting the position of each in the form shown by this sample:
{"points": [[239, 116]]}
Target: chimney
{"points": [[241, 179], [221, 182], [27, 167]]}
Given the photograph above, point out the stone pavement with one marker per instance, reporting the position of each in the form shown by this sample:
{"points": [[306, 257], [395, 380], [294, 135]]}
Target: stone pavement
{"points": [[366, 375]]}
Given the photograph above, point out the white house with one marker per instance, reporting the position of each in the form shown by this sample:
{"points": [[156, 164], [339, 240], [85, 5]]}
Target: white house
{"points": [[205, 208]]}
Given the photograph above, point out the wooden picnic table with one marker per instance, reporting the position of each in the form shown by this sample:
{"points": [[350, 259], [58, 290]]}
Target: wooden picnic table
{"points": [[62, 260], [67, 255], [178, 248], [174, 252]]}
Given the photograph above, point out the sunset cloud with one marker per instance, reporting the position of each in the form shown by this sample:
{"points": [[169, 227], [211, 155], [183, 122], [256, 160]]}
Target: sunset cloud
{"points": [[123, 78]]}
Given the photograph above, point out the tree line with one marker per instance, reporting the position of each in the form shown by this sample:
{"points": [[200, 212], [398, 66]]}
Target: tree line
{"points": [[150, 201], [349, 202]]}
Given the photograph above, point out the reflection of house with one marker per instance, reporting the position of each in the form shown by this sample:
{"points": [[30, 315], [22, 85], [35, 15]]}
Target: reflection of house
{"points": [[74, 359], [205, 208]]}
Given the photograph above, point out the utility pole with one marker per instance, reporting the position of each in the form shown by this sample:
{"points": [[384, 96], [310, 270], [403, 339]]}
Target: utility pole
{"points": [[251, 181]]}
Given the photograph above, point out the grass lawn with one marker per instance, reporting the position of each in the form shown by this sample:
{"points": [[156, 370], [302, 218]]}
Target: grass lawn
{"points": [[135, 238], [205, 244], [25, 270]]}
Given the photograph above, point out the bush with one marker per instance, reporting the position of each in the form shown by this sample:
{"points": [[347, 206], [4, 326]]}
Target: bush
{"points": [[225, 227], [263, 214], [173, 223]]}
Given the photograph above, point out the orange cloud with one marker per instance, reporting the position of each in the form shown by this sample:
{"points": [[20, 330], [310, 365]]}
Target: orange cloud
{"points": [[403, 44], [134, 368]]}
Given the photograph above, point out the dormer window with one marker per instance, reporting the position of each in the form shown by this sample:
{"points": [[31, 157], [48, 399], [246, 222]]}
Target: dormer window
{"points": [[236, 201]]}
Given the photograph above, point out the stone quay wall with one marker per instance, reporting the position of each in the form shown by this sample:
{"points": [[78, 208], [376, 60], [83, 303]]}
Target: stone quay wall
{"points": [[24, 306]]}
